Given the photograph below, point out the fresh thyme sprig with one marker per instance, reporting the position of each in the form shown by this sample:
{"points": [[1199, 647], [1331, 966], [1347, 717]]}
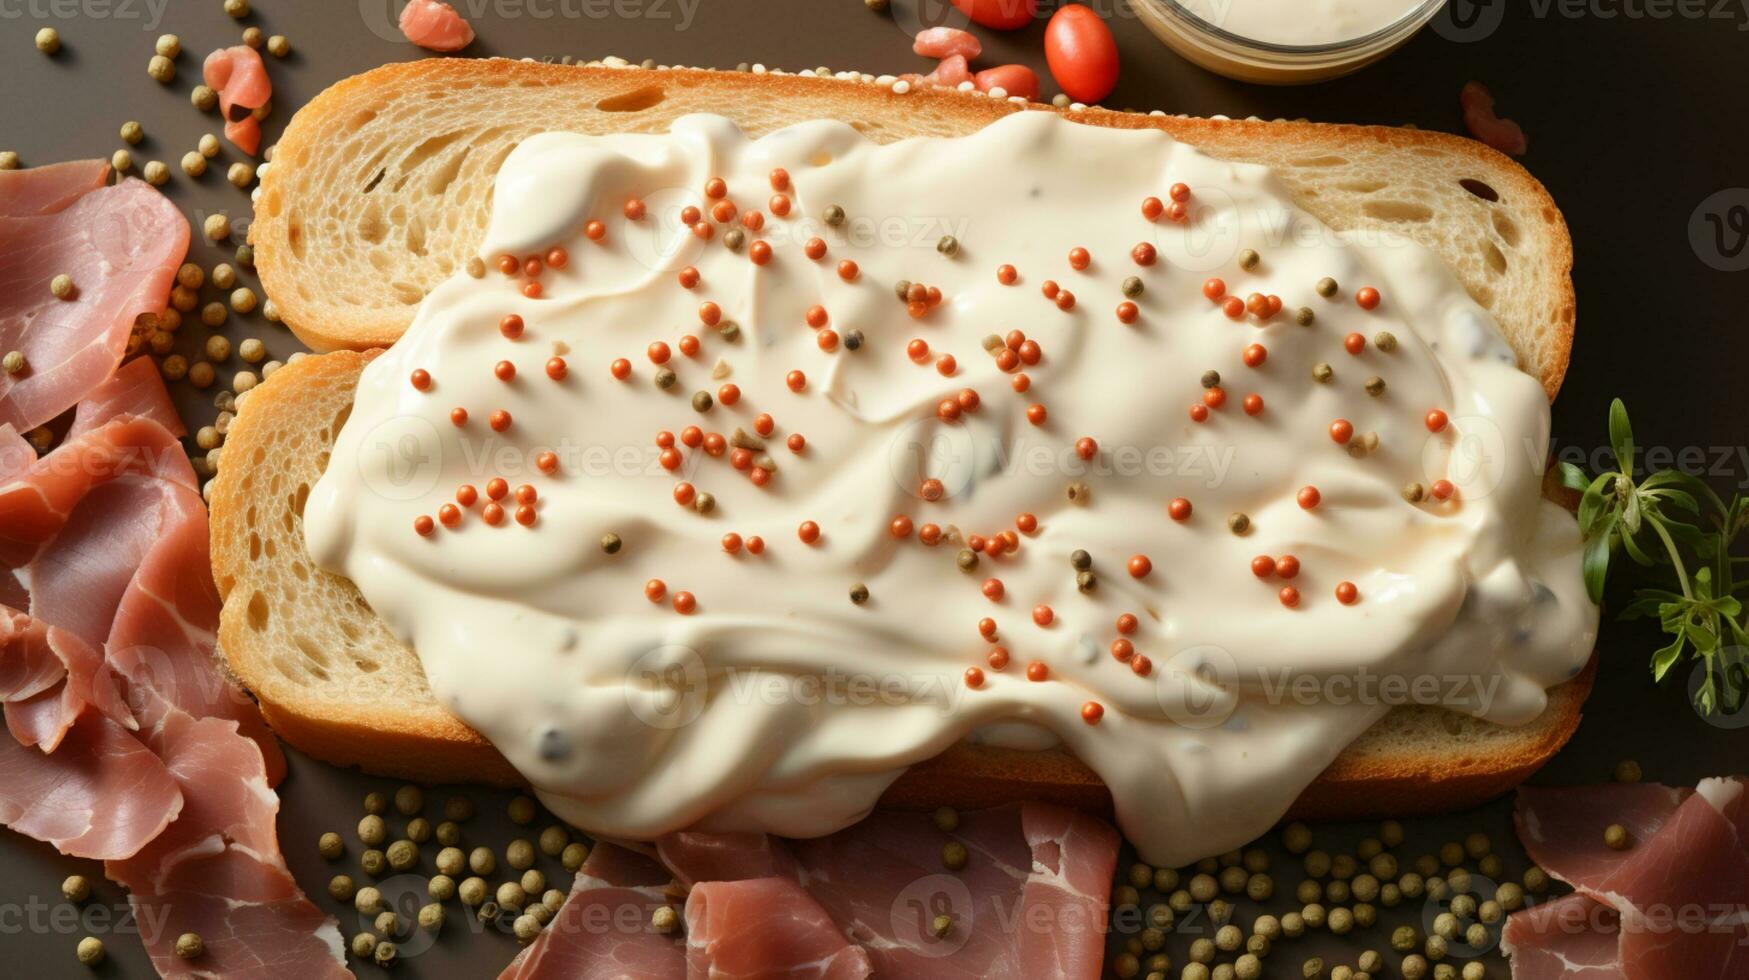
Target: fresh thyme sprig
{"points": [[1668, 521]]}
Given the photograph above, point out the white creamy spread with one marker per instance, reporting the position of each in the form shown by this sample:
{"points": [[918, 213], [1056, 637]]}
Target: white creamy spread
{"points": [[780, 704], [1301, 23]]}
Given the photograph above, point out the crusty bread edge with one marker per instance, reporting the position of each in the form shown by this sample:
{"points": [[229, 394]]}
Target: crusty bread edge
{"points": [[380, 329]]}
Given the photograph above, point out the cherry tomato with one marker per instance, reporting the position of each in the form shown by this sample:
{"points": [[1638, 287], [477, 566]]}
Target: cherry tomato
{"points": [[1081, 53], [1001, 15], [1015, 79]]}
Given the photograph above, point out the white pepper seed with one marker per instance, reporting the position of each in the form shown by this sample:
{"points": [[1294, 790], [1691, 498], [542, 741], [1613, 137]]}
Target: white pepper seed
{"points": [[161, 69]]}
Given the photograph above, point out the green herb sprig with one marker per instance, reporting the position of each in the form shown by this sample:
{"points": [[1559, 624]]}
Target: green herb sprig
{"points": [[1671, 522]]}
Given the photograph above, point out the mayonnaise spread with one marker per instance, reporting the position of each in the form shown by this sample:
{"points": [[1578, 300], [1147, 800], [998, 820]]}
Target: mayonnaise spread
{"points": [[786, 689], [1301, 23]]}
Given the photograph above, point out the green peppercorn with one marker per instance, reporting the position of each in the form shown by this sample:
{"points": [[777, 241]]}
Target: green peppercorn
{"points": [[1304, 316], [948, 246], [1617, 838], [701, 401], [1238, 523], [859, 593], [610, 543], [954, 855], [833, 215], [1375, 386], [1323, 372], [1326, 287], [1132, 287]]}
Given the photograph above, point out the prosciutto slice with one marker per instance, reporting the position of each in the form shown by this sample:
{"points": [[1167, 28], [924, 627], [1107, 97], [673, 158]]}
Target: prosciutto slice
{"points": [[121, 245], [882, 883], [217, 870], [603, 930], [101, 794], [765, 927], [47, 189], [1679, 894], [240, 79], [435, 26], [136, 388], [48, 677], [111, 535], [1571, 938]]}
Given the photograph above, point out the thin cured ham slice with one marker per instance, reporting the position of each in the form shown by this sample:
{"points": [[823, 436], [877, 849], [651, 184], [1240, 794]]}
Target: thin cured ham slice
{"points": [[240, 79], [136, 388], [47, 189], [217, 870], [435, 26], [603, 931], [765, 927], [121, 246], [110, 534], [881, 881], [1562, 827], [1677, 892], [48, 678], [1571, 938]]}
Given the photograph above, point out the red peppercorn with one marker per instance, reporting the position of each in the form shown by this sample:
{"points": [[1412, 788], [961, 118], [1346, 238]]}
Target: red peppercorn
{"points": [[634, 210], [504, 370], [499, 420], [547, 462], [1233, 307], [732, 543], [556, 368], [993, 589], [969, 400], [759, 252], [946, 365], [1346, 593], [658, 353], [931, 489], [1367, 298], [809, 532], [796, 443], [974, 678], [1127, 312], [1341, 431], [729, 394], [1086, 448], [458, 416], [901, 527], [929, 534], [1263, 566], [1214, 397], [1021, 382], [814, 248], [526, 514], [423, 525], [1214, 288], [466, 495], [1006, 275], [531, 267], [1354, 343], [1152, 207], [1035, 413], [689, 345], [620, 368], [1255, 355], [1144, 253], [714, 444], [779, 179], [1309, 497], [1140, 566], [1287, 566], [508, 265], [1122, 649], [918, 350], [497, 488], [1290, 596], [511, 326], [1065, 301], [763, 424], [1027, 523], [421, 379], [848, 271], [1037, 671], [756, 545], [655, 589], [1178, 509], [684, 494], [1050, 289], [1199, 413], [1127, 623], [557, 258], [1079, 258], [827, 340], [1179, 193], [449, 515], [779, 204], [1443, 489], [997, 658], [1436, 420], [1253, 404], [1141, 665], [1042, 615], [796, 380]]}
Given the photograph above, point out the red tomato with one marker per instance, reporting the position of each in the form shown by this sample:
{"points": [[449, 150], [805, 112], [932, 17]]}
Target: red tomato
{"points": [[1081, 53], [1015, 79], [1002, 15]]}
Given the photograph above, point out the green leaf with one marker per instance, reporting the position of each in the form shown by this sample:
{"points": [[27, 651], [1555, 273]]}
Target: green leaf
{"points": [[1666, 657], [1635, 552], [1591, 505], [1574, 478], [1596, 563], [1621, 436]]}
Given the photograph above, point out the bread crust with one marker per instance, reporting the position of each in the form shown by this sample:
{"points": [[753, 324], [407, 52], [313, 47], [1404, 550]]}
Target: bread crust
{"points": [[326, 323], [422, 741]]}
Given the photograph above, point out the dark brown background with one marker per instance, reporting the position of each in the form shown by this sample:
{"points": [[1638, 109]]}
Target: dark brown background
{"points": [[1636, 126]]}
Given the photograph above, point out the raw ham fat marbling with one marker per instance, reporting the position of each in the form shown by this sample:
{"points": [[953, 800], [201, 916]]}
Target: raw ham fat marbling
{"points": [[1674, 905], [136, 388], [765, 927], [121, 246], [603, 930]]}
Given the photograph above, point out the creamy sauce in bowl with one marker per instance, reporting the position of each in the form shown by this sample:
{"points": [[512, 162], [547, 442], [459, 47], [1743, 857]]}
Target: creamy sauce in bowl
{"points": [[775, 700], [1300, 23]]}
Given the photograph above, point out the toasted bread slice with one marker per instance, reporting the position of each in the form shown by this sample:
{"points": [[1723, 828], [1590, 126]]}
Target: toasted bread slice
{"points": [[381, 188], [333, 681]]}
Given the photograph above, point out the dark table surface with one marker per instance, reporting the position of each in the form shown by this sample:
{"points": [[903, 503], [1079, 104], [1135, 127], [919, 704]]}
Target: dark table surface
{"points": [[1637, 126]]}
